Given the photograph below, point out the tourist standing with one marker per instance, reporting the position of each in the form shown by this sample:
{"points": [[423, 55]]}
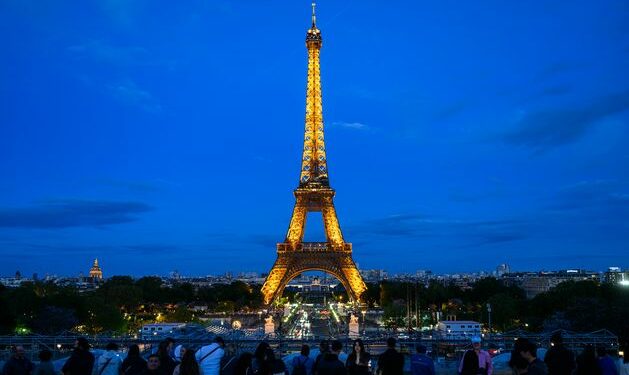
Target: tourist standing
{"points": [[536, 366], [243, 364], [302, 364], [108, 363], [518, 364], [330, 364], [391, 362], [605, 362], [45, 366], [81, 362], [188, 365], [421, 364], [358, 361], [134, 364], [324, 348], [164, 352], [559, 359], [258, 357], [18, 364], [209, 357], [272, 365], [485, 365], [469, 364], [586, 362]]}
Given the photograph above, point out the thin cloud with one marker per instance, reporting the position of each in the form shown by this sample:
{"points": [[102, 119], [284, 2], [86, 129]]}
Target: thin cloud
{"points": [[351, 125], [552, 128], [60, 214], [131, 94]]}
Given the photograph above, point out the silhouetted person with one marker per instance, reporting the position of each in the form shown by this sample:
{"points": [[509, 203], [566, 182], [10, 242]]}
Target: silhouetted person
{"points": [[134, 364], [330, 363], [421, 364], [188, 365], [536, 365], [272, 365], [469, 363], [623, 364], [485, 365], [518, 364], [258, 357], [358, 360], [302, 364], [587, 363], [324, 348], [166, 361], [243, 364], [559, 359], [391, 362], [81, 362], [45, 366], [605, 362], [18, 364]]}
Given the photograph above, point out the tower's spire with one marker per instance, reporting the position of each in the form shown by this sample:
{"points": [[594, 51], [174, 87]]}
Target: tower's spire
{"points": [[314, 167]]}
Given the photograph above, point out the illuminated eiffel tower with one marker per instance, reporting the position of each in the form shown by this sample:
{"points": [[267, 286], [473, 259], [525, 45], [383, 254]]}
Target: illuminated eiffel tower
{"points": [[313, 194]]}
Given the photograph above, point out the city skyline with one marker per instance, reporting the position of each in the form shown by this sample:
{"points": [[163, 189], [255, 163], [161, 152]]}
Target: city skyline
{"points": [[160, 135]]}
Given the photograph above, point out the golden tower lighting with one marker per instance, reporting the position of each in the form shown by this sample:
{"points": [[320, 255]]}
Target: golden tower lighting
{"points": [[313, 194]]}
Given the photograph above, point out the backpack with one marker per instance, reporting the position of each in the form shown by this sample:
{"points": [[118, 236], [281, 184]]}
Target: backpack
{"points": [[300, 368]]}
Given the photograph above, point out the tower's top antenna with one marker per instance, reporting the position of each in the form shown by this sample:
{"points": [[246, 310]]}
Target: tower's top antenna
{"points": [[314, 16]]}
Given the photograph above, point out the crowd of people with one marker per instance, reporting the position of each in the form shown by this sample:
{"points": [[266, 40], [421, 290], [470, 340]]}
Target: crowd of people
{"points": [[215, 359]]}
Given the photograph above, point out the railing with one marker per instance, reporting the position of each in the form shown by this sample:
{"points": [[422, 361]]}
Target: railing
{"points": [[314, 247]]}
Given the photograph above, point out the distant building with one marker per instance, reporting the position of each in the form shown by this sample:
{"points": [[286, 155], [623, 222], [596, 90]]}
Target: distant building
{"points": [[95, 272], [458, 329], [503, 269], [614, 275]]}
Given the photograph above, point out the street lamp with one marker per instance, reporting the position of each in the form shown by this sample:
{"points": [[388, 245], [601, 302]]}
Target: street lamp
{"points": [[489, 318]]}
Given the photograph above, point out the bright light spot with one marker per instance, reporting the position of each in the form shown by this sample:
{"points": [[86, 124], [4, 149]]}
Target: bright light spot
{"points": [[624, 283]]}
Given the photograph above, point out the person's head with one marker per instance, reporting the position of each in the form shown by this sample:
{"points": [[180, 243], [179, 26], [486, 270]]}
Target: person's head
{"points": [[134, 350], [260, 350], [305, 350], [529, 351], [324, 346], [358, 346], [336, 346], [391, 342], [111, 346], [421, 349], [476, 343], [219, 340], [556, 339], [601, 351], [45, 355], [82, 344], [152, 362], [18, 351], [189, 363]]}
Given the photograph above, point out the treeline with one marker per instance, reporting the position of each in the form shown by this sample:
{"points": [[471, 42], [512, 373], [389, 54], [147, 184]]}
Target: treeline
{"points": [[573, 305], [121, 304]]}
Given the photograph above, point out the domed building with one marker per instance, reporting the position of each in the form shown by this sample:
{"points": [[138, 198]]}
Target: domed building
{"points": [[95, 272]]}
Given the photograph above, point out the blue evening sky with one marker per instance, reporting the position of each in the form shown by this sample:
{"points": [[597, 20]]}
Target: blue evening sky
{"points": [[163, 135]]}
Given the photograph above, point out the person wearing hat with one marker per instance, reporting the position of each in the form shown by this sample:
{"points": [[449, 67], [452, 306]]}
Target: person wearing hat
{"points": [[484, 359], [421, 364]]}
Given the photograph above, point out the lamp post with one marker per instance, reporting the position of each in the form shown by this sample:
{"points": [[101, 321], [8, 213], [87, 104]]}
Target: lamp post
{"points": [[489, 319], [364, 323]]}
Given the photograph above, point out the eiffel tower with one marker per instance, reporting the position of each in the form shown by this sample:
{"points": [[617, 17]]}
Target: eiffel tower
{"points": [[313, 194]]}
